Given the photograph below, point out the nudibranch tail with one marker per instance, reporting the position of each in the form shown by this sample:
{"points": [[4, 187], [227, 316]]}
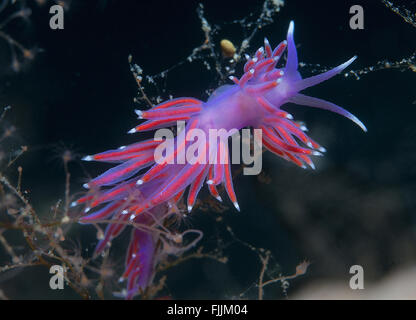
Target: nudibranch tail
{"points": [[145, 184]]}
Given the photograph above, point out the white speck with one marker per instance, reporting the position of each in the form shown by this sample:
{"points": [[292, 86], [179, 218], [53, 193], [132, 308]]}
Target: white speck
{"points": [[139, 113], [124, 211], [88, 158], [251, 71], [132, 217], [210, 182], [189, 209], [303, 128], [86, 186], [139, 182], [87, 209], [74, 203], [309, 144]]}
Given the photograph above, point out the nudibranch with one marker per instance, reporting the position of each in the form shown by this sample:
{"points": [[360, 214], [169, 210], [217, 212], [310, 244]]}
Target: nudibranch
{"points": [[128, 194]]}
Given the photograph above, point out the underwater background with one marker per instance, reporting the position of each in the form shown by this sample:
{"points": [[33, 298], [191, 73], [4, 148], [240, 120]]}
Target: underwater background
{"points": [[75, 97]]}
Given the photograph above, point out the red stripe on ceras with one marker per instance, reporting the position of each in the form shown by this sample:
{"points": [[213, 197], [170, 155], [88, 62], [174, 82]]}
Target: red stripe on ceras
{"points": [[273, 149], [110, 177], [178, 196], [157, 168], [195, 187], [171, 112], [283, 145], [219, 166], [108, 195], [288, 137], [262, 64], [84, 199], [249, 64], [103, 214], [177, 184], [279, 49], [176, 102], [148, 125], [212, 188], [147, 145], [229, 182]]}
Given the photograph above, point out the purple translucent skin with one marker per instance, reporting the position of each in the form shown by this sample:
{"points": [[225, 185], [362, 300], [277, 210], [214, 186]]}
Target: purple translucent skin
{"points": [[235, 108], [125, 195]]}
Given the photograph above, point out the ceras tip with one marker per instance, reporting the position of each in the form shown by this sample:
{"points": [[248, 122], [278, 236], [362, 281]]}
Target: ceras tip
{"points": [[86, 186], [189, 209], [139, 113], [236, 206], [291, 27], [87, 158], [139, 182], [132, 131], [317, 153], [73, 204]]}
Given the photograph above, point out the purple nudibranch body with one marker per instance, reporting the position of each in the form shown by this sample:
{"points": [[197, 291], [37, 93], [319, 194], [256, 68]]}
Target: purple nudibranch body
{"points": [[123, 194]]}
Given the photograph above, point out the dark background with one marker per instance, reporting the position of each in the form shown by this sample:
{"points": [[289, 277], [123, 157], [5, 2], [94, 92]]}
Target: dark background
{"points": [[358, 207]]}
